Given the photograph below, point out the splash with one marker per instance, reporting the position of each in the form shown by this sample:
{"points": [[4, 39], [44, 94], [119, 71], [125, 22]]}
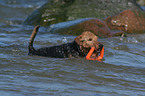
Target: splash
{"points": [[129, 40]]}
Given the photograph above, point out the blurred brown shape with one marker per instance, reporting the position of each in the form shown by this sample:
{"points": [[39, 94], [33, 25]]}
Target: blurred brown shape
{"points": [[129, 21]]}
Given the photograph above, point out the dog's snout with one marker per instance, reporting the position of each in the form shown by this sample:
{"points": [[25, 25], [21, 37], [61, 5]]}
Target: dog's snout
{"points": [[100, 46]]}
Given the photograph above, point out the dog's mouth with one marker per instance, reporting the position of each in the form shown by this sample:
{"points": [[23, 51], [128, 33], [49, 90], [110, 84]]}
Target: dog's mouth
{"points": [[99, 49], [96, 53]]}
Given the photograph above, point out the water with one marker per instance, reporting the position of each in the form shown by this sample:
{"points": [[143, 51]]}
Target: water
{"points": [[122, 72]]}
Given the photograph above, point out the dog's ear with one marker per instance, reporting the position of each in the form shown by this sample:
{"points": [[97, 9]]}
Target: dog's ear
{"points": [[77, 39]]}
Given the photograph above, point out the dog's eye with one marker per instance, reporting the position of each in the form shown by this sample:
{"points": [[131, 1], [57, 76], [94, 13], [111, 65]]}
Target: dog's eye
{"points": [[90, 39]]}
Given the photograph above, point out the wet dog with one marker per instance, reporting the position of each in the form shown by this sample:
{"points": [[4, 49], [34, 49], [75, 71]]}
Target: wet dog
{"points": [[78, 48]]}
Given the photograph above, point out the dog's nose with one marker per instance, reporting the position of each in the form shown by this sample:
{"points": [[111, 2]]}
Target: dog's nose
{"points": [[100, 46]]}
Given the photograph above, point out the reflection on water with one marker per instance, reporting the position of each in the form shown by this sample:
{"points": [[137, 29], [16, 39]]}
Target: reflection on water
{"points": [[121, 72]]}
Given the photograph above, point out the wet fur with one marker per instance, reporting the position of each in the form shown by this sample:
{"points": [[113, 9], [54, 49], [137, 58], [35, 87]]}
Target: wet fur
{"points": [[61, 51]]}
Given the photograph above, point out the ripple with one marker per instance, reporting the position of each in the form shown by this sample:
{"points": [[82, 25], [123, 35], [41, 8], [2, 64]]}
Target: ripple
{"points": [[22, 3]]}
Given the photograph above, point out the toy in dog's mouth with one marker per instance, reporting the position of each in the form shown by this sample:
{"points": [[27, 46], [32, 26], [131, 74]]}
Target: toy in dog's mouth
{"points": [[95, 54], [97, 48]]}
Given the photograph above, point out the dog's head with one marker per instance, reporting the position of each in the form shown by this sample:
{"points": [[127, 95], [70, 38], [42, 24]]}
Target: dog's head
{"points": [[87, 40]]}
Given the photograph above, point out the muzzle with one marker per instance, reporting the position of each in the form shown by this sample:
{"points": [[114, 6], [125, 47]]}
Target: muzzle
{"points": [[100, 50]]}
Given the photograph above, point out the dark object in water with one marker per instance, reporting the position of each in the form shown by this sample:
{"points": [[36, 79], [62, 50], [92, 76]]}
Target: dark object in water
{"points": [[78, 48]]}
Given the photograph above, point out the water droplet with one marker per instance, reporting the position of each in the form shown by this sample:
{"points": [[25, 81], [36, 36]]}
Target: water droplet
{"points": [[64, 40]]}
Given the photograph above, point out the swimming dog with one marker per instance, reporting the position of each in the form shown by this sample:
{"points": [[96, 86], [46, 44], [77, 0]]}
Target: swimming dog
{"points": [[77, 48]]}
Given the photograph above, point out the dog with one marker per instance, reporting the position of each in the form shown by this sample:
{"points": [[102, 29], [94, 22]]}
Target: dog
{"points": [[77, 48]]}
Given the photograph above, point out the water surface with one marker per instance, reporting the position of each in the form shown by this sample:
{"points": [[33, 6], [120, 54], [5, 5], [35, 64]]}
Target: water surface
{"points": [[122, 72]]}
